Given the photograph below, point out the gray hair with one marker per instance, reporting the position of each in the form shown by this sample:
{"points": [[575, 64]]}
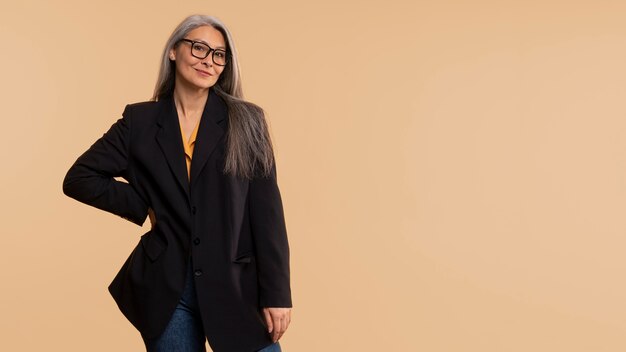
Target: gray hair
{"points": [[249, 146]]}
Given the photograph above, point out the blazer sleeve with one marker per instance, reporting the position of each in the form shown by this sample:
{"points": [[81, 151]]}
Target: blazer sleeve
{"points": [[90, 179], [270, 240]]}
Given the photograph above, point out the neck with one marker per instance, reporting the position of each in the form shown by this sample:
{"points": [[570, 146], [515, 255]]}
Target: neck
{"points": [[189, 101]]}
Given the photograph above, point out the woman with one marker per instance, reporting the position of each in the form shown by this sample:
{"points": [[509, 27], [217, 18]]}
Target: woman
{"points": [[199, 163]]}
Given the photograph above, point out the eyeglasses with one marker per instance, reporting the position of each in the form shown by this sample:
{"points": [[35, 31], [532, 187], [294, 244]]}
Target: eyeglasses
{"points": [[201, 51]]}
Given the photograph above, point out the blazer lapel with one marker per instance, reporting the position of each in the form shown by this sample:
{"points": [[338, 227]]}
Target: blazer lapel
{"points": [[211, 129], [171, 142]]}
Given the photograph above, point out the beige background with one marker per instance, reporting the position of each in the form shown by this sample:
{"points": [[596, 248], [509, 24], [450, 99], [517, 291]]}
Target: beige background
{"points": [[452, 171]]}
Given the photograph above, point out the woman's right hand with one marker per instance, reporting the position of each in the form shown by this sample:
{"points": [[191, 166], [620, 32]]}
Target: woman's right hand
{"points": [[152, 217]]}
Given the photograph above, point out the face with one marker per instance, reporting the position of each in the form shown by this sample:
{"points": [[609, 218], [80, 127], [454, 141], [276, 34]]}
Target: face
{"points": [[191, 71]]}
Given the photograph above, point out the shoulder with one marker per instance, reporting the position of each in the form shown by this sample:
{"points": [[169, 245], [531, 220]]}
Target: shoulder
{"points": [[142, 113], [142, 107]]}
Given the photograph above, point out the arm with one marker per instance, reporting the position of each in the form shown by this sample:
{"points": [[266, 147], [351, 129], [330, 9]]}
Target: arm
{"points": [[270, 239], [90, 179]]}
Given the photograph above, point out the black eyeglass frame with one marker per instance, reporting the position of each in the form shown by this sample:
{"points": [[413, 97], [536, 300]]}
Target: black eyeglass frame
{"points": [[210, 51]]}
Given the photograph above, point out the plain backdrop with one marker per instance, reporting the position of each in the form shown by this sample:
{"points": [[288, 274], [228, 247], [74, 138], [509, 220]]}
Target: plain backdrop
{"points": [[452, 172]]}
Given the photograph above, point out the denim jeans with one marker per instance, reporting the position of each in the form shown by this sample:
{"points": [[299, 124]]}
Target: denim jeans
{"points": [[184, 332]]}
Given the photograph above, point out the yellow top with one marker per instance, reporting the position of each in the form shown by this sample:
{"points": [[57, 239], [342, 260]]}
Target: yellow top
{"points": [[188, 145]]}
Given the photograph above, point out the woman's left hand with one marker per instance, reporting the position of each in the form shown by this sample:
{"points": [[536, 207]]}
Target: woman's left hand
{"points": [[278, 320]]}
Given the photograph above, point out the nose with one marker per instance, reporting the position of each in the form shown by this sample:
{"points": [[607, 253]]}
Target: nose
{"points": [[208, 60]]}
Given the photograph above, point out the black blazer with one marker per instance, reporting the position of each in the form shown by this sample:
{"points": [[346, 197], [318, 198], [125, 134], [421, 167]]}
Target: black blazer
{"points": [[233, 229]]}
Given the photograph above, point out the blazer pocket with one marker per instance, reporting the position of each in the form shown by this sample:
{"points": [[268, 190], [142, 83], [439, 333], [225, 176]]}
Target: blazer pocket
{"points": [[243, 258], [152, 245]]}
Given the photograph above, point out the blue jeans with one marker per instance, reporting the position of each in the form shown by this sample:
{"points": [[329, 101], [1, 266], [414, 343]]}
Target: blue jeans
{"points": [[184, 332]]}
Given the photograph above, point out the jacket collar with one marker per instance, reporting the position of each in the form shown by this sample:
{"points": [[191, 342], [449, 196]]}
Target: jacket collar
{"points": [[211, 129]]}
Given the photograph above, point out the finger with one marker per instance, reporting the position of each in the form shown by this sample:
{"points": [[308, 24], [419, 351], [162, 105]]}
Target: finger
{"points": [[278, 326], [283, 326], [280, 334], [275, 332], [268, 319], [286, 322]]}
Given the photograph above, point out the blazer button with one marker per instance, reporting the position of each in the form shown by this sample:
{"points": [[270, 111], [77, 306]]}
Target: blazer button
{"points": [[193, 210], [196, 241], [198, 272]]}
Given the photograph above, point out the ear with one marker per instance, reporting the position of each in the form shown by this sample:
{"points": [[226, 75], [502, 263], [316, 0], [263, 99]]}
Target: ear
{"points": [[172, 54]]}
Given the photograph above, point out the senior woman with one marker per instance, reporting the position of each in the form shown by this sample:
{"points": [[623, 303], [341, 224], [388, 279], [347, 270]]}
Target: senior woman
{"points": [[198, 162]]}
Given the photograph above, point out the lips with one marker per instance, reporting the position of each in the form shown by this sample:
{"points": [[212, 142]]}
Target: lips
{"points": [[204, 73]]}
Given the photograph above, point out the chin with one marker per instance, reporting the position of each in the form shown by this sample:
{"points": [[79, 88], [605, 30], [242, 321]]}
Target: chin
{"points": [[204, 85]]}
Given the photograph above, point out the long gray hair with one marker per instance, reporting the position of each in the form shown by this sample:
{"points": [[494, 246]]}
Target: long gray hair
{"points": [[249, 146]]}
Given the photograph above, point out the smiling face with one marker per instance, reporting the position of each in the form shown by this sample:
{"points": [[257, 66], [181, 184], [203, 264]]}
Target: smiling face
{"points": [[191, 71]]}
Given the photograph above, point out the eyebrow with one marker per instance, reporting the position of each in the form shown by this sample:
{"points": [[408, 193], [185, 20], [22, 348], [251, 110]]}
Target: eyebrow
{"points": [[202, 41]]}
